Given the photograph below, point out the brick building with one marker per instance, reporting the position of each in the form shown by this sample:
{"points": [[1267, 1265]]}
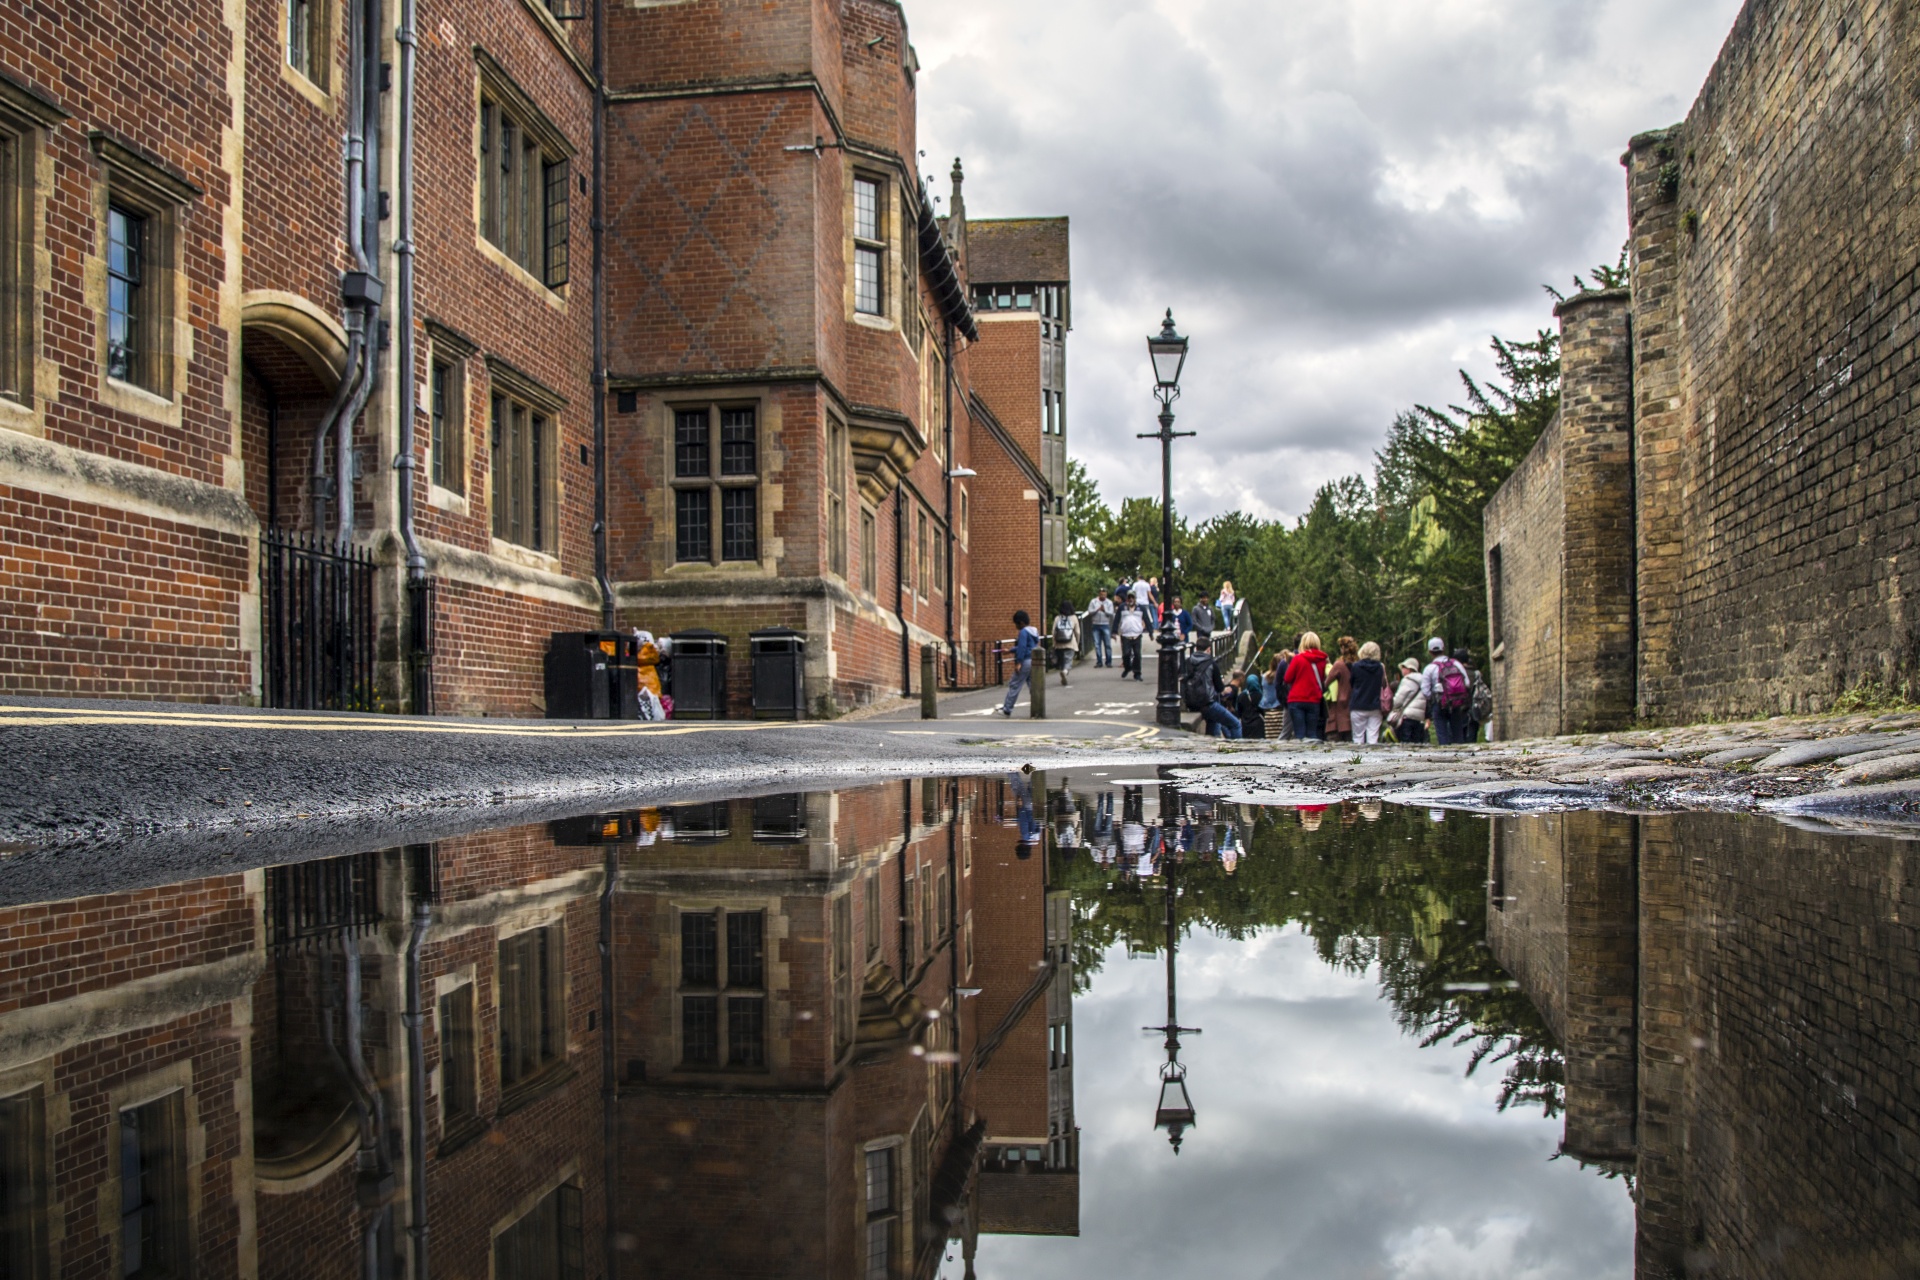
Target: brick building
{"points": [[326, 1068], [1720, 522], [196, 292]]}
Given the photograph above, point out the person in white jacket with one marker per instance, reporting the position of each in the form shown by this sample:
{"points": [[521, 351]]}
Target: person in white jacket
{"points": [[1133, 625], [1409, 715]]}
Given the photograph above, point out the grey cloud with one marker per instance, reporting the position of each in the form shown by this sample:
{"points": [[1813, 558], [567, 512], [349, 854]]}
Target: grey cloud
{"points": [[1340, 201]]}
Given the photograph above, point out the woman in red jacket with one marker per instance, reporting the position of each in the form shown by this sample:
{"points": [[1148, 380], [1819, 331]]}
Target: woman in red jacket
{"points": [[1306, 687]]}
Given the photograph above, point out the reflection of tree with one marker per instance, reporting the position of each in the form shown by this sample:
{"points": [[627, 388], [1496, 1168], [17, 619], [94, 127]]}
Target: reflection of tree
{"points": [[1404, 893]]}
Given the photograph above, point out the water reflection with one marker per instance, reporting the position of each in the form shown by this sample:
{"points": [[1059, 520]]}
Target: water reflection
{"points": [[812, 1035]]}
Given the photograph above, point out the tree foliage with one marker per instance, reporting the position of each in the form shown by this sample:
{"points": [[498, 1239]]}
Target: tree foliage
{"points": [[1393, 557]]}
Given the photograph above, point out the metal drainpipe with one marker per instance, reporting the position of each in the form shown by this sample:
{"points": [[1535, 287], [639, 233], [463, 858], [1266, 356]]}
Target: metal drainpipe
{"points": [[406, 38], [600, 566], [609, 1079], [354, 146], [900, 587], [415, 1019], [366, 240], [373, 1111]]}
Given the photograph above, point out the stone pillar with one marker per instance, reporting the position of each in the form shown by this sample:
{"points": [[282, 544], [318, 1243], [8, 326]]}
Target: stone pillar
{"points": [[1659, 412], [1663, 1051], [1597, 556], [1602, 904]]}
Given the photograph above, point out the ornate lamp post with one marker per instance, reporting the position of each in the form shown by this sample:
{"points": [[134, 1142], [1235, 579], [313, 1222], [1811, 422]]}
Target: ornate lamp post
{"points": [[1169, 352], [1175, 1110]]}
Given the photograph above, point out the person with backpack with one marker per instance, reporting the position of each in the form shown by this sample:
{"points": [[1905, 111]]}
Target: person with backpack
{"points": [[1132, 625], [1026, 639], [1248, 689], [1099, 617], [1449, 693], [1339, 701], [1409, 714], [1066, 638], [1306, 682], [1479, 695], [1368, 677], [1202, 689]]}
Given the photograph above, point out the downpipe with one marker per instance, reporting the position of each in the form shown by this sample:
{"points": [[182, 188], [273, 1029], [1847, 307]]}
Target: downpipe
{"points": [[600, 556], [415, 1019], [405, 463]]}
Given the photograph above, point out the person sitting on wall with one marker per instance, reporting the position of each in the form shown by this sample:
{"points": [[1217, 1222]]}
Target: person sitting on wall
{"points": [[1203, 690]]}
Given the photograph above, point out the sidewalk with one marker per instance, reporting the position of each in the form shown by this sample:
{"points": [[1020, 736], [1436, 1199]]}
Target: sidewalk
{"points": [[1095, 703]]}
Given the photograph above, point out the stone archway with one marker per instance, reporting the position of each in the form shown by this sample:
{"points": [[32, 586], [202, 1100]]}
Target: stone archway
{"points": [[293, 356]]}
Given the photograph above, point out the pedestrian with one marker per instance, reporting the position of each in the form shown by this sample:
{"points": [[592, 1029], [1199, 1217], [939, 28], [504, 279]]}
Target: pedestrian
{"points": [[1203, 619], [1182, 620], [1273, 698], [1066, 638], [1247, 702], [1203, 690], [1409, 714], [1226, 603], [1368, 678], [1339, 690], [1449, 694], [1026, 639], [1479, 695], [1132, 626], [1307, 688], [1100, 624]]}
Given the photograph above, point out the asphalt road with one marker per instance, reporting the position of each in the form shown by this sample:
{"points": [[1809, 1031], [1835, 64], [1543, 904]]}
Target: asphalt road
{"points": [[96, 792]]}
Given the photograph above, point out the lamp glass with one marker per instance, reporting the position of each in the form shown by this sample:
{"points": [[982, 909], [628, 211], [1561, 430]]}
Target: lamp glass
{"points": [[1169, 351]]}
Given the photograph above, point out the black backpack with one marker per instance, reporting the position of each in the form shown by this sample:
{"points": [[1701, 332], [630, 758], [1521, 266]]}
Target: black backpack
{"points": [[1196, 687]]}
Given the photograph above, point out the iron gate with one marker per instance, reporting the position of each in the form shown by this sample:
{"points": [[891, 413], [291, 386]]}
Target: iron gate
{"points": [[316, 623]]}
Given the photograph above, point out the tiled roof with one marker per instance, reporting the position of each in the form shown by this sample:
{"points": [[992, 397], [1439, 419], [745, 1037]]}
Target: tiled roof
{"points": [[1017, 251]]}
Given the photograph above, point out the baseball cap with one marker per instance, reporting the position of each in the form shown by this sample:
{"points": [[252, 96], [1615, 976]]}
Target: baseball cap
{"points": [[1436, 644]]}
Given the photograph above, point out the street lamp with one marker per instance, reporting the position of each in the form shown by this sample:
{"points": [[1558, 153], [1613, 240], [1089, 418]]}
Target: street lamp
{"points": [[1168, 351], [1174, 1113]]}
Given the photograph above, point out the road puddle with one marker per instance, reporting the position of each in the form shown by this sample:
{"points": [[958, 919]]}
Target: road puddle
{"points": [[1063, 1025]]}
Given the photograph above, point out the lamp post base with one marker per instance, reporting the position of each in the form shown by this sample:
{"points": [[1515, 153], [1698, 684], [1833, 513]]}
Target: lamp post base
{"points": [[1167, 703]]}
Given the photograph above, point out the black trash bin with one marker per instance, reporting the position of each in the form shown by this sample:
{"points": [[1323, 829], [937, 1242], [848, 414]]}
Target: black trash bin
{"points": [[698, 681], [582, 674], [779, 673]]}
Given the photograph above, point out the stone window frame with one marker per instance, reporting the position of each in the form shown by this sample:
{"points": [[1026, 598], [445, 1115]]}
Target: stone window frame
{"points": [[25, 1154], [717, 482], [873, 247], [449, 419], [724, 991], [140, 185], [27, 378], [890, 1213], [540, 404], [838, 465], [922, 553], [869, 551], [309, 63], [569, 1185], [174, 1080], [552, 1017], [498, 97], [457, 1127]]}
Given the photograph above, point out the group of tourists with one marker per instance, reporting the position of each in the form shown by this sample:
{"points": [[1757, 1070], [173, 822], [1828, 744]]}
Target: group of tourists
{"points": [[1304, 692]]}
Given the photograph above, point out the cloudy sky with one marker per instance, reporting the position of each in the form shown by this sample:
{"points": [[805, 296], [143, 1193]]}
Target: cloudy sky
{"points": [[1340, 199], [1329, 1144]]}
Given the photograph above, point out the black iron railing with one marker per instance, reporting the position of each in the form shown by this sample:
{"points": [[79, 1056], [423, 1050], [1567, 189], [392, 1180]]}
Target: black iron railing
{"points": [[420, 656], [308, 901], [317, 624], [978, 664]]}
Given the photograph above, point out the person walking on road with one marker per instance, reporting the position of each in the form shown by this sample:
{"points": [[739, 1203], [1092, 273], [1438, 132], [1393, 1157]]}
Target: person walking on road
{"points": [[1203, 690], [1449, 693], [1132, 626], [1409, 714], [1479, 695], [1100, 625], [1066, 639], [1226, 603], [1026, 639], [1307, 688], [1368, 678]]}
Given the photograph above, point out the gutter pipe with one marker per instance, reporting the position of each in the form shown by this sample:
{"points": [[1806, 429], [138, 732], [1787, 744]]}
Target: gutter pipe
{"points": [[405, 463], [600, 567], [415, 1019]]}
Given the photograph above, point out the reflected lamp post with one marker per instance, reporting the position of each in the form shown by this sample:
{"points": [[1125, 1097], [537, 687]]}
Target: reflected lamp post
{"points": [[1174, 1113], [1168, 351]]}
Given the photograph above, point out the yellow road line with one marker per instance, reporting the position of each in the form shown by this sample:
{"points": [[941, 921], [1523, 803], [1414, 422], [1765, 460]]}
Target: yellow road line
{"points": [[530, 729]]}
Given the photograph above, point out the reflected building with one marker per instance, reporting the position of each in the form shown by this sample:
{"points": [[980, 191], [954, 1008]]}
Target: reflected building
{"points": [[1739, 1006], [717, 1039]]}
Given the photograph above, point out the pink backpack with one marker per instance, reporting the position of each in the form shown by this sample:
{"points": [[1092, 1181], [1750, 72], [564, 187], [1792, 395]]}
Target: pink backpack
{"points": [[1455, 692]]}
